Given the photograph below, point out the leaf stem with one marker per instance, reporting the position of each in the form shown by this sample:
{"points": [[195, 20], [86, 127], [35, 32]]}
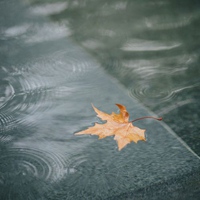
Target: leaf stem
{"points": [[159, 119]]}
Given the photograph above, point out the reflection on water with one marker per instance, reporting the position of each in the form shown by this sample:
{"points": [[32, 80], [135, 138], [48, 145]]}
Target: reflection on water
{"points": [[145, 45], [49, 8], [151, 47]]}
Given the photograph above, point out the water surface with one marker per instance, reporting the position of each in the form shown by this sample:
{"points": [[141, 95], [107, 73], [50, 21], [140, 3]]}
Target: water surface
{"points": [[48, 82], [152, 48]]}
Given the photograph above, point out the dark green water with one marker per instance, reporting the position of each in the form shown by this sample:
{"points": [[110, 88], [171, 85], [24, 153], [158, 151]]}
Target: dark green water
{"points": [[58, 57]]}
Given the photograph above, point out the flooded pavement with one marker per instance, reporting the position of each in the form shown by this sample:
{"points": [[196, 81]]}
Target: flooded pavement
{"points": [[47, 85]]}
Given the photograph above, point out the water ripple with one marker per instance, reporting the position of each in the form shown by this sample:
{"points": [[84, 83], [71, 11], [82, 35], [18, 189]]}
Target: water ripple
{"points": [[27, 173], [153, 94], [61, 65], [6, 92], [30, 90], [75, 161], [5, 138], [30, 162], [31, 95], [6, 123], [156, 93], [152, 67]]}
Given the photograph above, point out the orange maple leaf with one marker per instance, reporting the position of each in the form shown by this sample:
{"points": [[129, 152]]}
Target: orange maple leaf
{"points": [[117, 125]]}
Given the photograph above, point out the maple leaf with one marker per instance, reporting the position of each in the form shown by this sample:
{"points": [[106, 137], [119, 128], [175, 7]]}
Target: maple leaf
{"points": [[118, 125]]}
